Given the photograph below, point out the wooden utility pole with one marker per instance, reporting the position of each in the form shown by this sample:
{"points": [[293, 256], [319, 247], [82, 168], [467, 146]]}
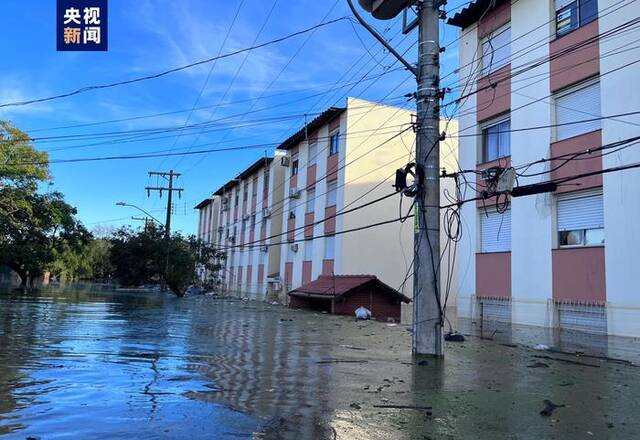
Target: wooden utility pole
{"points": [[168, 176]]}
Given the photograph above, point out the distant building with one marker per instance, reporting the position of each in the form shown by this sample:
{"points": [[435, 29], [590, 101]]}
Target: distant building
{"points": [[208, 229], [544, 80]]}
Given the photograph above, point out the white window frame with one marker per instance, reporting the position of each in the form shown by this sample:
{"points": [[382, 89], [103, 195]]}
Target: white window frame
{"points": [[590, 193], [313, 153], [295, 164], [487, 125], [592, 126], [487, 45], [567, 5], [335, 134], [332, 194], [311, 200], [505, 230]]}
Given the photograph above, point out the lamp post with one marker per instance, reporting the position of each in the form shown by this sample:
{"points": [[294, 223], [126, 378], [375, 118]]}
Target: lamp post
{"points": [[141, 210]]}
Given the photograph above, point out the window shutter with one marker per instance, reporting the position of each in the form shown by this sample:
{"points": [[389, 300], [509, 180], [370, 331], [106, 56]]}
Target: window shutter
{"points": [[495, 231], [583, 210], [578, 106]]}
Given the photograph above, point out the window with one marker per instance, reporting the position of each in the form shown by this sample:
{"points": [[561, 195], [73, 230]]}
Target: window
{"points": [[496, 140], [237, 198], [253, 221], [245, 193], [290, 253], [313, 151], [571, 14], [329, 247], [254, 188], [308, 250], [495, 233], [294, 164], [334, 140], [265, 188], [581, 218], [332, 193], [577, 105], [496, 50], [311, 198]]}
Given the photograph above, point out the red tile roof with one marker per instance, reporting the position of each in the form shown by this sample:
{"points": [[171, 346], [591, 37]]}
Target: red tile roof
{"points": [[333, 286]]}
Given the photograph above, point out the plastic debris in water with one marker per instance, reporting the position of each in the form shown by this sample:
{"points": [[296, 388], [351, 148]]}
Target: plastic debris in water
{"points": [[362, 313]]}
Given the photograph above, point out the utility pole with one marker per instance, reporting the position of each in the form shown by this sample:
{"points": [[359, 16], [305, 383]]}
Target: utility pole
{"points": [[168, 176], [427, 316], [427, 326]]}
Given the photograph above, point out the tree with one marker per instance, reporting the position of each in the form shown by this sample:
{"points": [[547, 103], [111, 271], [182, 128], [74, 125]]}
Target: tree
{"points": [[140, 257], [22, 167], [89, 262], [42, 227]]}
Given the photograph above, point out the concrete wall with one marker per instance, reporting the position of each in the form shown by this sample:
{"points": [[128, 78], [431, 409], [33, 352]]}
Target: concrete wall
{"points": [[621, 201]]}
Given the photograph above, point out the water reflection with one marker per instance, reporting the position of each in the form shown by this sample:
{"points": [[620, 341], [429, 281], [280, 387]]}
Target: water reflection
{"points": [[118, 365]]}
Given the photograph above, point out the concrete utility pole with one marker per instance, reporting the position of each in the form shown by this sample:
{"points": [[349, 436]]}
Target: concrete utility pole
{"points": [[168, 176], [427, 319], [427, 326]]}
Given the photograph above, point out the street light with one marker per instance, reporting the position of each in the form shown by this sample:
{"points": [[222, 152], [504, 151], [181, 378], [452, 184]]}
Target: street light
{"points": [[141, 210]]}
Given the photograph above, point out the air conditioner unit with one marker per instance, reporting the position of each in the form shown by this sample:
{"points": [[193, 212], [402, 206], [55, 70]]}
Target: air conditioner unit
{"points": [[294, 193], [264, 249], [294, 247], [284, 161], [292, 215], [266, 212]]}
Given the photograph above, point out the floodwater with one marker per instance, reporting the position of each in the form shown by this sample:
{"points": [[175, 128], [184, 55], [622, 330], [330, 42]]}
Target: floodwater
{"points": [[80, 364]]}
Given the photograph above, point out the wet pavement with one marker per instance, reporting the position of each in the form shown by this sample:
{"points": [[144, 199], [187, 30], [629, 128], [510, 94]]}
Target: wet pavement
{"points": [[82, 364]]}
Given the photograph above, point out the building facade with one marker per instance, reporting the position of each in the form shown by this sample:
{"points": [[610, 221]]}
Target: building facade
{"points": [[333, 179], [550, 80], [246, 228], [209, 216]]}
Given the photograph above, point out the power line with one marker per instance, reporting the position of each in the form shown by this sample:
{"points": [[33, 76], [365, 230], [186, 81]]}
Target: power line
{"points": [[174, 70]]}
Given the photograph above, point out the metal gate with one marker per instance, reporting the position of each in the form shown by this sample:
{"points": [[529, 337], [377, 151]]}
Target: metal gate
{"points": [[585, 318]]}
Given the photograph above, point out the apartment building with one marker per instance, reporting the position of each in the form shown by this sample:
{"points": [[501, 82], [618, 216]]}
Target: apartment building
{"points": [[546, 81], [346, 158], [343, 159], [248, 227], [209, 216]]}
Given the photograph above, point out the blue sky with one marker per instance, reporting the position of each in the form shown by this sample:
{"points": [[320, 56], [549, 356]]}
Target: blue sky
{"points": [[147, 36]]}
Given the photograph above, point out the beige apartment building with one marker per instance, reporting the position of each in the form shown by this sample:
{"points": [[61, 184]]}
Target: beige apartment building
{"points": [[319, 220]]}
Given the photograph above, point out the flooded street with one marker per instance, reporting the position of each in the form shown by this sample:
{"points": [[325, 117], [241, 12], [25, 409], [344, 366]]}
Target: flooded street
{"points": [[82, 364]]}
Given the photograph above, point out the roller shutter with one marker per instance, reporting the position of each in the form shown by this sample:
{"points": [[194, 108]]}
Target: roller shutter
{"points": [[495, 231], [583, 210]]}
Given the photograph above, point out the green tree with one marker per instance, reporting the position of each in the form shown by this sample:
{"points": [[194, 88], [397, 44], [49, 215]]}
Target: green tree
{"points": [[42, 228], [22, 167], [140, 257]]}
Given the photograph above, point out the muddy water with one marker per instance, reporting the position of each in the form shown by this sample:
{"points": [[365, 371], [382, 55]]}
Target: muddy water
{"points": [[77, 364]]}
